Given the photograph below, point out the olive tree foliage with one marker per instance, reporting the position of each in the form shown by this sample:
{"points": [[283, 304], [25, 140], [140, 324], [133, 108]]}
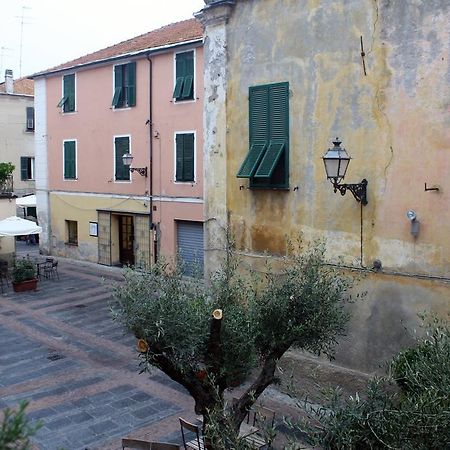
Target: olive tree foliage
{"points": [[211, 336], [16, 430], [409, 408]]}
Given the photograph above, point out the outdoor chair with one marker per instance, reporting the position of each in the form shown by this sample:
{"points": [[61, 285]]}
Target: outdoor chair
{"points": [[262, 418], [51, 270], [139, 444], [4, 271], [196, 443]]}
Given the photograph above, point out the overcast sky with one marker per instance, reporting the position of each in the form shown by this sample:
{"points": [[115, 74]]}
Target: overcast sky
{"points": [[56, 31]]}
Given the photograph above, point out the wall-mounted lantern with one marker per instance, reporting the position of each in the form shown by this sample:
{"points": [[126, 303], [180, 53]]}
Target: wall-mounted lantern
{"points": [[127, 159], [336, 161]]}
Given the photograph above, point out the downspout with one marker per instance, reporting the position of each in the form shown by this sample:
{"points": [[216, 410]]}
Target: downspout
{"points": [[150, 150]]}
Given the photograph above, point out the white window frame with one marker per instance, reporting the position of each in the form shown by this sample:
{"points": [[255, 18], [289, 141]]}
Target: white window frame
{"points": [[194, 132], [76, 160], [113, 87], [114, 157], [175, 76]]}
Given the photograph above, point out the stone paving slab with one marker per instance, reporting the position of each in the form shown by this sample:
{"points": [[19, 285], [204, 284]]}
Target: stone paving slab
{"points": [[61, 351]]}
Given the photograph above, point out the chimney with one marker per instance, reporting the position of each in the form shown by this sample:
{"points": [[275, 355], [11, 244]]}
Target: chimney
{"points": [[9, 83]]}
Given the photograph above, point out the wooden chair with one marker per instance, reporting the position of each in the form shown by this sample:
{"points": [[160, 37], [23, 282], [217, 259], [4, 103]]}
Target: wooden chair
{"points": [[139, 444], [164, 446], [197, 443]]}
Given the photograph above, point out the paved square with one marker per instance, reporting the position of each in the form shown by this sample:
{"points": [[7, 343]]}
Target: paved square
{"points": [[61, 351]]}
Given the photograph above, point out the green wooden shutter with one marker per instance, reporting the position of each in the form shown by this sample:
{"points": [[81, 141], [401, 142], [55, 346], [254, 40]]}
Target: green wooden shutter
{"points": [[179, 143], [270, 159], [259, 114], [188, 157], [279, 111], [122, 146], [23, 168], [178, 88], [69, 160], [188, 86], [118, 85], [258, 130], [131, 88], [180, 73], [250, 164], [69, 93]]}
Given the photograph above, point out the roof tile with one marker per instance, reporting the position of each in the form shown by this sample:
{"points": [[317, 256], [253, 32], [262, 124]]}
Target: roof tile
{"points": [[21, 86], [174, 33]]}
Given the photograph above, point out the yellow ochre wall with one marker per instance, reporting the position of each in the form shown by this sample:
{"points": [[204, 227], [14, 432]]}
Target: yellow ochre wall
{"points": [[83, 209], [394, 122]]}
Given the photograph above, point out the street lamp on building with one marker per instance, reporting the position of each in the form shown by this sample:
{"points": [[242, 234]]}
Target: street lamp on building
{"points": [[336, 162], [127, 159]]}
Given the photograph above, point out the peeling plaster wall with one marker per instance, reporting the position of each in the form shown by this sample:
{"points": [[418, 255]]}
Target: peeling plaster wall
{"points": [[394, 122]]}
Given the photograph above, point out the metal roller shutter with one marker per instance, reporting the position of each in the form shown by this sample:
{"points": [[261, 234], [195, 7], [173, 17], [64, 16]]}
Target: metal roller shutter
{"points": [[190, 246]]}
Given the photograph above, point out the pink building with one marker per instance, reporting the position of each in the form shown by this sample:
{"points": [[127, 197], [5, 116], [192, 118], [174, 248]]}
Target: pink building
{"points": [[142, 97]]}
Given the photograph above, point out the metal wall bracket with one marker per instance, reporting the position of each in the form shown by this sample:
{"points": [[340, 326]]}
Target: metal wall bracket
{"points": [[140, 170], [359, 190]]}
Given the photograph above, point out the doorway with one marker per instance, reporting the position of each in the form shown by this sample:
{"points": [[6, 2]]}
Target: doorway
{"points": [[126, 240]]}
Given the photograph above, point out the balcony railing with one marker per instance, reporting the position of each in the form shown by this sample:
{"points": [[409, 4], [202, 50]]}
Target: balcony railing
{"points": [[7, 187]]}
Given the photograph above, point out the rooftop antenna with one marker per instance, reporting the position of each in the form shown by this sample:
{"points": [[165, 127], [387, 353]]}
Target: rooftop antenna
{"points": [[22, 18]]}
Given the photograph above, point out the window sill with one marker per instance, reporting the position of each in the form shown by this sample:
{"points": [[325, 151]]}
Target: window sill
{"points": [[71, 244], [182, 101], [268, 188]]}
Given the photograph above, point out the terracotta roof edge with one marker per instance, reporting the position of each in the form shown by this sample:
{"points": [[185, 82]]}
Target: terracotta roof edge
{"points": [[112, 58]]}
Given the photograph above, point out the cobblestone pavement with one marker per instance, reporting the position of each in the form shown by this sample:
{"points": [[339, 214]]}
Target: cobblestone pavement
{"points": [[61, 351]]}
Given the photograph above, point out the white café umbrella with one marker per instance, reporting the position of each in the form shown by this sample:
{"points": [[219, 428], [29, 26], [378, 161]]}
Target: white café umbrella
{"points": [[29, 200], [15, 226]]}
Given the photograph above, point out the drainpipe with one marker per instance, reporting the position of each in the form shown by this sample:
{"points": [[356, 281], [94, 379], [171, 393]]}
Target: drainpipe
{"points": [[150, 150]]}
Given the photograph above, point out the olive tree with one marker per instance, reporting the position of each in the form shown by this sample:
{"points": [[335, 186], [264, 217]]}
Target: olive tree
{"points": [[214, 335]]}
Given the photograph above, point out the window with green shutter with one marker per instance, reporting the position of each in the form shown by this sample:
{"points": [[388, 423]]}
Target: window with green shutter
{"points": [[184, 157], [26, 168], [67, 103], [30, 118], [124, 85], [184, 76], [70, 160], [267, 162], [121, 146]]}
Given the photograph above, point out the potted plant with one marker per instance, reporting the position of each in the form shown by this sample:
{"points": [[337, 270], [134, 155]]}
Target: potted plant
{"points": [[24, 275]]}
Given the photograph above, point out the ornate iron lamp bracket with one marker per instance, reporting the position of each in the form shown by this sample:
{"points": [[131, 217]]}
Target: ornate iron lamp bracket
{"points": [[142, 171], [359, 190]]}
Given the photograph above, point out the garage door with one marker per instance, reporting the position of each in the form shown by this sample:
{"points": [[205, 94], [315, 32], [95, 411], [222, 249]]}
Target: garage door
{"points": [[190, 246]]}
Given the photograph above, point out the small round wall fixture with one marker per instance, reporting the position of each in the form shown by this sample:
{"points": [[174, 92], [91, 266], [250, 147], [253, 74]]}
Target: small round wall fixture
{"points": [[411, 215], [336, 161]]}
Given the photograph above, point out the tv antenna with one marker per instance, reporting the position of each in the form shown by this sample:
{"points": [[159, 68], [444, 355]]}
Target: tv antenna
{"points": [[22, 18]]}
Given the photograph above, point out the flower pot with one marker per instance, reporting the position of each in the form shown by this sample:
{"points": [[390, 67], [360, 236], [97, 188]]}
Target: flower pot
{"points": [[27, 285]]}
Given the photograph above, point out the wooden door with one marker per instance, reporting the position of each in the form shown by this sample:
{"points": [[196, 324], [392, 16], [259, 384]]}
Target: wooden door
{"points": [[126, 240]]}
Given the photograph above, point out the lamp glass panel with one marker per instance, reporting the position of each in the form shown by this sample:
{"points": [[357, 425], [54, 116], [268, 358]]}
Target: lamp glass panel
{"points": [[127, 159], [331, 167], [343, 164]]}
